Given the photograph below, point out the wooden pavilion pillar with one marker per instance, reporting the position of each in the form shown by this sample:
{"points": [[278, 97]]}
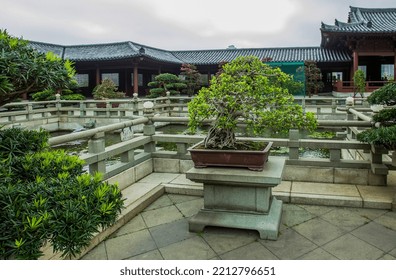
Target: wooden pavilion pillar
{"points": [[135, 79], [394, 65], [355, 57], [97, 75]]}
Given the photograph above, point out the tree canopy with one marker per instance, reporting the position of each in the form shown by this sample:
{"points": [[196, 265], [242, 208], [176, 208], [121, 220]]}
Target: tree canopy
{"points": [[24, 70], [249, 89]]}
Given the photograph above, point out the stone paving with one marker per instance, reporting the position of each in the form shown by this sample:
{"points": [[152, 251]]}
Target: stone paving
{"points": [[308, 232]]}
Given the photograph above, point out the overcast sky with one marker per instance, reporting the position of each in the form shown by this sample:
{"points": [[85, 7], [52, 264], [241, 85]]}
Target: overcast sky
{"points": [[177, 24]]}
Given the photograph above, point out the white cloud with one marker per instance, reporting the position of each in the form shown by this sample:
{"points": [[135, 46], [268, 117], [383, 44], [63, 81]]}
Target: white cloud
{"points": [[177, 24], [208, 17]]}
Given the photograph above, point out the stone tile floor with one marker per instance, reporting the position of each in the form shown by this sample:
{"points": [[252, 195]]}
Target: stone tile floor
{"points": [[307, 232]]}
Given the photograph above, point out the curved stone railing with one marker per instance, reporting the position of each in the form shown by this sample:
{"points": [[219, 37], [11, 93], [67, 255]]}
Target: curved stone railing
{"points": [[36, 114]]}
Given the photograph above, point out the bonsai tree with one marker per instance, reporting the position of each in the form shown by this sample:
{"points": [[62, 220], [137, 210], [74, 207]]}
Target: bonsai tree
{"points": [[107, 90], [313, 78], [165, 82], [250, 90], [385, 133], [23, 70], [359, 82], [192, 78]]}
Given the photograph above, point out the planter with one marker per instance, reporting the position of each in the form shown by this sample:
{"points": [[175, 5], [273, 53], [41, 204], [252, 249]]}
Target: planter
{"points": [[253, 160]]}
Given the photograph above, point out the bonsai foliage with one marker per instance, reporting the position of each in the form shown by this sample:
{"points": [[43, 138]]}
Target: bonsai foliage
{"points": [[313, 78], [359, 82], [46, 197], [385, 95], [107, 90], [165, 82], [50, 94], [385, 133], [250, 90], [192, 78], [23, 70]]}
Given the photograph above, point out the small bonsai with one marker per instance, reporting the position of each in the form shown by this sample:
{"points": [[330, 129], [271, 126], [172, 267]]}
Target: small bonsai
{"points": [[313, 78], [165, 82], [107, 90], [50, 94], [385, 133], [360, 83], [250, 90], [192, 78]]}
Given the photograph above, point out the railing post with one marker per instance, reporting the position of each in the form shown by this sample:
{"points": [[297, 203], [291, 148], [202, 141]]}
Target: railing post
{"points": [[335, 155], [135, 106], [108, 106], [97, 145], [30, 111], [349, 102], [149, 128], [181, 148], [58, 104], [168, 103], [83, 108], [128, 156], [333, 106], [379, 171], [294, 143]]}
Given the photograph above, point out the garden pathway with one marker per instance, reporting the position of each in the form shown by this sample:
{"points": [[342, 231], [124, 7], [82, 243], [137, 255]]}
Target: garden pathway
{"points": [[344, 227]]}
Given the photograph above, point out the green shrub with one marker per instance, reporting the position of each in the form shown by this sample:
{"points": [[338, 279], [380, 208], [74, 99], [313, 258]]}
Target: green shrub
{"points": [[386, 116], [74, 96], [107, 90], [385, 136], [385, 95], [44, 95], [45, 197], [49, 94]]}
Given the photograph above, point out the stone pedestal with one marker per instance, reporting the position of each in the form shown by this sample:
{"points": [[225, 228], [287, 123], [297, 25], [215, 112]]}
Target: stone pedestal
{"points": [[240, 198]]}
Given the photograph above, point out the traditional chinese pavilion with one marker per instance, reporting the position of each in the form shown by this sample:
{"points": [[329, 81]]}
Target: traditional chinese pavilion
{"points": [[367, 41]]}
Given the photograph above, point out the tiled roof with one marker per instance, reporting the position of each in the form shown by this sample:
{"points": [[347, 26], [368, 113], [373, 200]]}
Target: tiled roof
{"points": [[110, 51], [208, 57], [45, 47], [124, 50], [365, 20]]}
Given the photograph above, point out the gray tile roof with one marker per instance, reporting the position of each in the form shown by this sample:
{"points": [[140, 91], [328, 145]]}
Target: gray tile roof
{"points": [[365, 20], [124, 50], [210, 57], [45, 47]]}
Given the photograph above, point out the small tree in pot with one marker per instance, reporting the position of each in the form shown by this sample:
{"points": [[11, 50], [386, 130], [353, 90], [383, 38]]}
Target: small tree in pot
{"points": [[251, 90]]}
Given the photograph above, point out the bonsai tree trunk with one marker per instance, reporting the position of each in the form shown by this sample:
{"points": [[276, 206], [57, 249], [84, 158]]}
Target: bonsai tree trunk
{"points": [[219, 138]]}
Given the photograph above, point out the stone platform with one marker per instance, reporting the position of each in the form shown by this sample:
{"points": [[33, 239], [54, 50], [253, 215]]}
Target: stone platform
{"points": [[239, 198]]}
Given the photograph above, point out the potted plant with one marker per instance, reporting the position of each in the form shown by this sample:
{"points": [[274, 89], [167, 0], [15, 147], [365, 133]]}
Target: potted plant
{"points": [[359, 81], [246, 90], [107, 90], [384, 132]]}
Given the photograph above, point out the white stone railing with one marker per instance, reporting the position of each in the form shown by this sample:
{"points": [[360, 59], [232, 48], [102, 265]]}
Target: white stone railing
{"points": [[36, 114]]}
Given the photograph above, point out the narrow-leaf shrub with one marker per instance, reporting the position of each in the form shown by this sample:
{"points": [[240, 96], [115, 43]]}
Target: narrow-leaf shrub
{"points": [[45, 197]]}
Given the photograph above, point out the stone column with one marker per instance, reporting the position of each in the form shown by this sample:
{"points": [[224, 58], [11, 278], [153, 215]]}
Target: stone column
{"points": [[97, 145]]}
